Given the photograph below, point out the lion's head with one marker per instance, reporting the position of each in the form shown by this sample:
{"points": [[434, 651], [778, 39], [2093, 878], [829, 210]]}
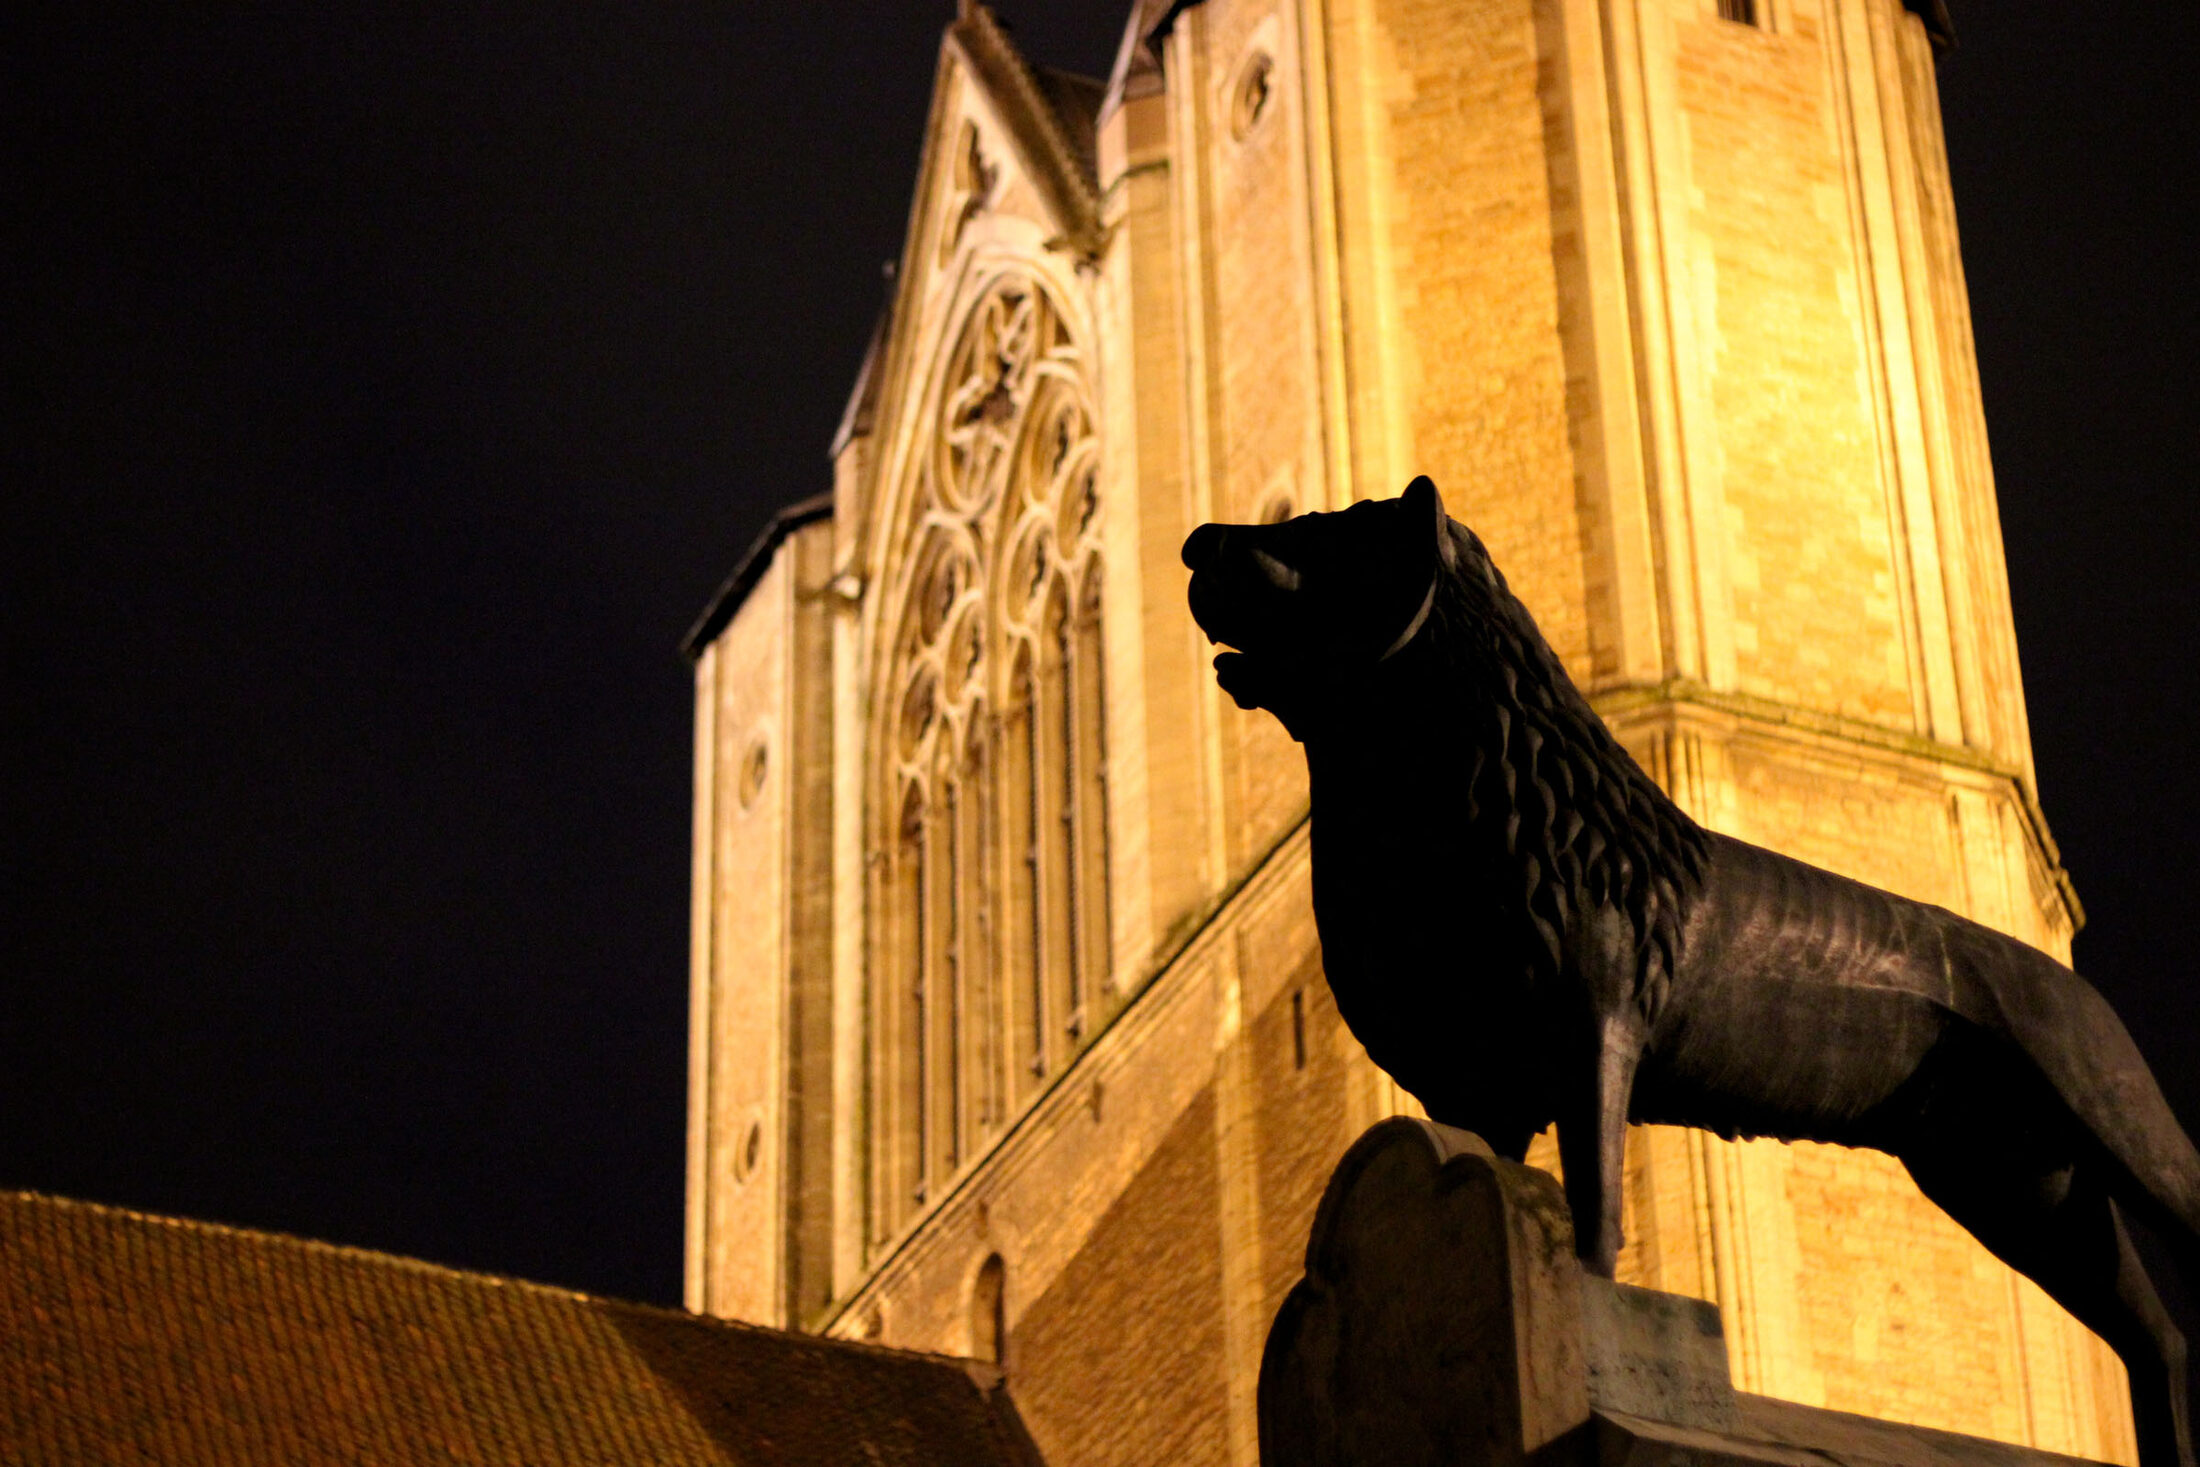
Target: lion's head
{"points": [[1388, 625], [1314, 603]]}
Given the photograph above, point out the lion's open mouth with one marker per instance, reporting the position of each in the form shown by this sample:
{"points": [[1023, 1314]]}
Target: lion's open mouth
{"points": [[1240, 676]]}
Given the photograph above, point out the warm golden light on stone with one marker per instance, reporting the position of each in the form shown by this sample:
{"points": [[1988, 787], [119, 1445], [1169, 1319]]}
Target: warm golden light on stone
{"points": [[1668, 299]]}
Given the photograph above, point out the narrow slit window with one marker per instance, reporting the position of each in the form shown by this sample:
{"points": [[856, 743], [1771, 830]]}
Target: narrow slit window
{"points": [[1025, 869], [1054, 817], [918, 1017], [989, 1312], [1741, 12], [1074, 836], [980, 998], [951, 981], [1090, 795]]}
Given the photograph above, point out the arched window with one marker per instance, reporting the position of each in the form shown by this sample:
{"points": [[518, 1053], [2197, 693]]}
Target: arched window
{"points": [[991, 957], [989, 1312]]}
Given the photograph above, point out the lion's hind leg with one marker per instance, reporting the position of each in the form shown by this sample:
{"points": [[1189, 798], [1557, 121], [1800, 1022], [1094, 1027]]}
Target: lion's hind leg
{"points": [[2053, 1218]]}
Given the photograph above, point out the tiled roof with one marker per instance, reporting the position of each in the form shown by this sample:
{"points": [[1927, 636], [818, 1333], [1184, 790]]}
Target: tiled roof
{"points": [[133, 1339], [1075, 101]]}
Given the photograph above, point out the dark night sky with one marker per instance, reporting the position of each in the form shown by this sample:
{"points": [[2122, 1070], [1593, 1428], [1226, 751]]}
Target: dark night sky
{"points": [[386, 388]]}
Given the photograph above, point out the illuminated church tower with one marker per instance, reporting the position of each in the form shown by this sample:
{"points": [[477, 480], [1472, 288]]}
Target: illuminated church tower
{"points": [[1009, 1030]]}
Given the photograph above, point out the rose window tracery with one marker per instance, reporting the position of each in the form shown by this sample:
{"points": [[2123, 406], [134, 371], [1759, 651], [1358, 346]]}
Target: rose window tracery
{"points": [[991, 958]]}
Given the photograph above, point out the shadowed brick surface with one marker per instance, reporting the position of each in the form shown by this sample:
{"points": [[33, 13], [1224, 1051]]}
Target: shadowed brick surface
{"points": [[137, 1339]]}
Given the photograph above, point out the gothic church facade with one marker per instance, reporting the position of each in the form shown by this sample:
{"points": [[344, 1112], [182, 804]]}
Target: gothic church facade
{"points": [[1009, 1032]]}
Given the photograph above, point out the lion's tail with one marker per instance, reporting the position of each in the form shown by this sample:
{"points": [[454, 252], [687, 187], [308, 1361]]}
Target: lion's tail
{"points": [[2087, 1054]]}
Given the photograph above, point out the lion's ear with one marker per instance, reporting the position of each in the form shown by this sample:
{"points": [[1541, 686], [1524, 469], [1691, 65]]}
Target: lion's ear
{"points": [[1424, 506]]}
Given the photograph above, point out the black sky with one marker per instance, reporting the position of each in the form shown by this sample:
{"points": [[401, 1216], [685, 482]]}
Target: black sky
{"points": [[386, 387]]}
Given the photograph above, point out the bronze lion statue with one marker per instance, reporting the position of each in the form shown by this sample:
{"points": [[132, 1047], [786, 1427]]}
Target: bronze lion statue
{"points": [[1522, 928]]}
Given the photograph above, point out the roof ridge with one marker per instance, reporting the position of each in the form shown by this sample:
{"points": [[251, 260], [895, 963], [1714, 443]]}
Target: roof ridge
{"points": [[750, 569], [855, 417], [976, 23], [408, 1263], [295, 1240]]}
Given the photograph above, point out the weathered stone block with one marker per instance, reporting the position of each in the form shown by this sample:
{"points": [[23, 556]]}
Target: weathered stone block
{"points": [[1440, 1319], [1657, 1355], [1444, 1321]]}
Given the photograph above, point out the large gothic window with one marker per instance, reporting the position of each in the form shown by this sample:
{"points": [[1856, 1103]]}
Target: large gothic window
{"points": [[991, 958]]}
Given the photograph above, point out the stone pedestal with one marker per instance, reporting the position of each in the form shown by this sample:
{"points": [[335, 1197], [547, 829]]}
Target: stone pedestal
{"points": [[1444, 1321]]}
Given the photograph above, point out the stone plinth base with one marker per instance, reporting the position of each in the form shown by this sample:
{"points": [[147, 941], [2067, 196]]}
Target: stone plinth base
{"points": [[1445, 1322]]}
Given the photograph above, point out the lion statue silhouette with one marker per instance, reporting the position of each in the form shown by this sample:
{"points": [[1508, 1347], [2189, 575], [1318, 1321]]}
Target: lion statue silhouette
{"points": [[1523, 929]]}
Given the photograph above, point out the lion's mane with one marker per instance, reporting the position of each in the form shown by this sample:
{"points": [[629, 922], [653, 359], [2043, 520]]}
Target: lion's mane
{"points": [[1584, 826]]}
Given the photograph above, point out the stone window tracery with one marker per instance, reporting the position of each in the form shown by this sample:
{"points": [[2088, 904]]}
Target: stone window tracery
{"points": [[991, 955]]}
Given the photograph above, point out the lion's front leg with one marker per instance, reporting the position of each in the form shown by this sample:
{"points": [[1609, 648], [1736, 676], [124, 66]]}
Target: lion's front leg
{"points": [[1592, 1138]]}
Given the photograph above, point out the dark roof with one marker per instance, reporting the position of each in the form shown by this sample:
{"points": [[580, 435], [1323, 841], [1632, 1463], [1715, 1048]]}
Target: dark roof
{"points": [[862, 405], [133, 1339], [1075, 102], [736, 587]]}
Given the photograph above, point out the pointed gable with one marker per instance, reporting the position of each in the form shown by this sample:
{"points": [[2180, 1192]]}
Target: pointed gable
{"points": [[1003, 136], [1006, 179], [1048, 116]]}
